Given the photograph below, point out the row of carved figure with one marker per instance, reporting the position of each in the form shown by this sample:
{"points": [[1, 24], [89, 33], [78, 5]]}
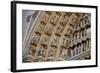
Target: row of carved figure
{"points": [[59, 36]]}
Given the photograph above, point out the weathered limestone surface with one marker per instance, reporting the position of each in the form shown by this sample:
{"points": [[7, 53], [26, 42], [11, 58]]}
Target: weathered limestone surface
{"points": [[59, 36]]}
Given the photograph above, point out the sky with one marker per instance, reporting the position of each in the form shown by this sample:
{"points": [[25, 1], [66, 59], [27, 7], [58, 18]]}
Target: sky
{"points": [[25, 15], [25, 22]]}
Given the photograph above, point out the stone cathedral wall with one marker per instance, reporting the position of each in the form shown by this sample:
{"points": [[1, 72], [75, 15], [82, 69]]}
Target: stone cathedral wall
{"points": [[60, 36]]}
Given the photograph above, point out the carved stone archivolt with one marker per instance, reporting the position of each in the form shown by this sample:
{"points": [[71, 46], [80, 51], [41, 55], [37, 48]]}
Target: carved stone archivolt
{"points": [[60, 36]]}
